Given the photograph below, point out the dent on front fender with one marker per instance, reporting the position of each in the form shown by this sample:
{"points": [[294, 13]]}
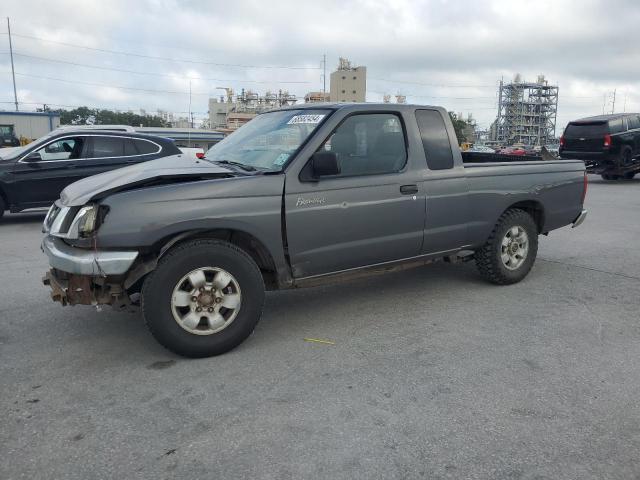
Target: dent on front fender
{"points": [[147, 219]]}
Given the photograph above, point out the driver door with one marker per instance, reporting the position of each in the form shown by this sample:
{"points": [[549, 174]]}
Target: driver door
{"points": [[372, 212]]}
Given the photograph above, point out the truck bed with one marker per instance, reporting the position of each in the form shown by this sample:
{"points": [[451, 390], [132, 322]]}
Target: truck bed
{"points": [[480, 157]]}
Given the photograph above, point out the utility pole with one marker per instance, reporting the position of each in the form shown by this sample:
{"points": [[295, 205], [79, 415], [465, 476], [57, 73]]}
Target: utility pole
{"points": [[190, 117], [613, 106], [324, 73], [13, 73]]}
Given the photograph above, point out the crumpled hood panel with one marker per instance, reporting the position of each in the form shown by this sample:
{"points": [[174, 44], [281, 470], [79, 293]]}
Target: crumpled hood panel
{"points": [[173, 169]]}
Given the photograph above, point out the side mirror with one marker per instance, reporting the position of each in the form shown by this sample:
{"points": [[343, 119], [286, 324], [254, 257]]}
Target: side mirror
{"points": [[324, 164], [33, 157]]}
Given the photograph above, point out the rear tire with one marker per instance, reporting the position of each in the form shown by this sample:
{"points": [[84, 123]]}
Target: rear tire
{"points": [[626, 157], [170, 309], [511, 249], [629, 175], [2, 207]]}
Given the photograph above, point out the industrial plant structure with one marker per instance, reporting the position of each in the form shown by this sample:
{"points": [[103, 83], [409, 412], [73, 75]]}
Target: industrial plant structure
{"points": [[231, 111], [526, 112]]}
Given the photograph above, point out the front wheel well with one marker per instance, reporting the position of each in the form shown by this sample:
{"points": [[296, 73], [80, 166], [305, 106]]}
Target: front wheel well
{"points": [[533, 208], [247, 242]]}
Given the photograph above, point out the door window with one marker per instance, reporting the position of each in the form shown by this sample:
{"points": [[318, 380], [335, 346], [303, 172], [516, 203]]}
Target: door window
{"points": [[369, 144], [104, 147], [435, 139], [634, 122], [129, 147], [145, 147], [63, 149], [616, 125]]}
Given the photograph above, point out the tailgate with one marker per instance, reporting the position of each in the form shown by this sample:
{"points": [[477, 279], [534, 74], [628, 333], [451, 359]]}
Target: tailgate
{"points": [[585, 136]]}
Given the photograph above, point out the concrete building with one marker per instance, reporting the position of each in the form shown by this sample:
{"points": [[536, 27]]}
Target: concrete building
{"points": [[348, 83], [30, 125]]}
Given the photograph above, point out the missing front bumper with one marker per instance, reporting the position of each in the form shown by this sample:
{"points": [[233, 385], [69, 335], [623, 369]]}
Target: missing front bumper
{"points": [[71, 289]]}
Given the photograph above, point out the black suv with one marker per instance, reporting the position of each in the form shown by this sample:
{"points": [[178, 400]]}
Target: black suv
{"points": [[34, 175], [608, 144]]}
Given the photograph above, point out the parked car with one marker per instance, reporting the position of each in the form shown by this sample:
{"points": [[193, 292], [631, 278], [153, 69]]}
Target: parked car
{"points": [[8, 137], [512, 151], [481, 149], [553, 148], [609, 144], [298, 196], [34, 175]]}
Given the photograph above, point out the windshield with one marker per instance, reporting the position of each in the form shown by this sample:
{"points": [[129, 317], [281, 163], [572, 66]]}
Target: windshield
{"points": [[268, 141]]}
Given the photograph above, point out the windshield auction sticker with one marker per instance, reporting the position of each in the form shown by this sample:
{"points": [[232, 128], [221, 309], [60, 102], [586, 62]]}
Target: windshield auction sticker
{"points": [[312, 119]]}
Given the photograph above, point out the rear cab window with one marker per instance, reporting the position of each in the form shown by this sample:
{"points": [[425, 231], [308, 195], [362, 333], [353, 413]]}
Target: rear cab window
{"points": [[435, 139], [586, 130]]}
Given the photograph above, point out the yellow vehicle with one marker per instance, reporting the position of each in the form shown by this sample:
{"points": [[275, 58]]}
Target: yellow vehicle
{"points": [[464, 146]]}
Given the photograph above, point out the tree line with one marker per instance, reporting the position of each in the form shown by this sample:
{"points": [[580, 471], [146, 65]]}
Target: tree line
{"points": [[101, 116]]}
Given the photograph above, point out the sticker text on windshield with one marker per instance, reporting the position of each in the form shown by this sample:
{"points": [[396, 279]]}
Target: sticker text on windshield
{"points": [[313, 119]]}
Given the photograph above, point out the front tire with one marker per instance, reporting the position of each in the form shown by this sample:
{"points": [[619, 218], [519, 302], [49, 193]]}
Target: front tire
{"points": [[2, 207], [204, 298], [610, 177], [511, 249]]}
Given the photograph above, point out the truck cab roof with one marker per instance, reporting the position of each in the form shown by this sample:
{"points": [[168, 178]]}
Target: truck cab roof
{"points": [[358, 106], [603, 118]]}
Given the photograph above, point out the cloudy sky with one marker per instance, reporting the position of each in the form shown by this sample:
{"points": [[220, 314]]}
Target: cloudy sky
{"points": [[130, 55]]}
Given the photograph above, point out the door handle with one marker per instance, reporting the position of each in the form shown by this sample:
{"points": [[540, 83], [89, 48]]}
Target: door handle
{"points": [[408, 189]]}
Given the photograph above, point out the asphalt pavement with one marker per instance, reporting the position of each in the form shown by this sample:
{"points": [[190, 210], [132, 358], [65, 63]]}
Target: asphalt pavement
{"points": [[433, 373]]}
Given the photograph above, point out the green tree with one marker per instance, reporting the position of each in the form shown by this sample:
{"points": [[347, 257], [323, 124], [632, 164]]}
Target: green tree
{"points": [[96, 116], [459, 125]]}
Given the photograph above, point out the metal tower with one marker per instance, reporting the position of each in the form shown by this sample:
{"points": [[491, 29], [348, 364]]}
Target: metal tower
{"points": [[526, 112]]}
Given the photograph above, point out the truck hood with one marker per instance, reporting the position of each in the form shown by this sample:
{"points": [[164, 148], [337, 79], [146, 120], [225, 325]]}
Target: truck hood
{"points": [[163, 171]]}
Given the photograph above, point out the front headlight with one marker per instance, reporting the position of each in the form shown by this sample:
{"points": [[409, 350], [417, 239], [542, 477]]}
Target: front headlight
{"points": [[83, 224], [85, 221]]}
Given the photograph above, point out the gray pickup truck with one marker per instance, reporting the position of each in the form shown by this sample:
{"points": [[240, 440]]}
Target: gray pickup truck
{"points": [[296, 197]]}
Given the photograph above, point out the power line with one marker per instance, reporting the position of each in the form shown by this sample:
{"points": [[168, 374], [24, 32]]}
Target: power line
{"points": [[105, 85], [151, 111], [169, 59], [155, 74], [431, 84], [436, 97]]}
